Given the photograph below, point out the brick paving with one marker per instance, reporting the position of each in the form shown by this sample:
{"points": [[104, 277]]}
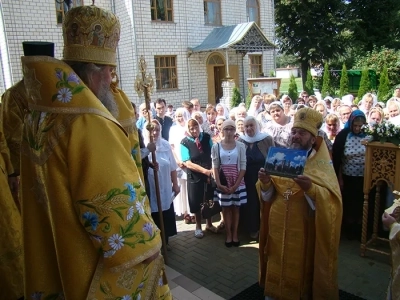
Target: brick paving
{"points": [[227, 271]]}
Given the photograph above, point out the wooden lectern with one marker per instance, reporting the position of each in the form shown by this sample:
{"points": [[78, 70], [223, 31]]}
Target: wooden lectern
{"points": [[382, 163]]}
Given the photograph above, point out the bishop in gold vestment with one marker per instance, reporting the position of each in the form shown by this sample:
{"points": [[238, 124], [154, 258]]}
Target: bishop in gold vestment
{"points": [[299, 237], [88, 232]]}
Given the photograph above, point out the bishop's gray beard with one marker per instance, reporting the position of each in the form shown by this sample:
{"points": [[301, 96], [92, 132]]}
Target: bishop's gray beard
{"points": [[107, 98]]}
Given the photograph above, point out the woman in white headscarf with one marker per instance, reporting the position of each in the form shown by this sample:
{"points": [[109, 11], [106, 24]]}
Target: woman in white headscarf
{"points": [[255, 106], [257, 145], [167, 178], [176, 134]]}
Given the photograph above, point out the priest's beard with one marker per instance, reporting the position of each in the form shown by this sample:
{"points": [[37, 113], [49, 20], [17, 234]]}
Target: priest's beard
{"points": [[107, 98]]}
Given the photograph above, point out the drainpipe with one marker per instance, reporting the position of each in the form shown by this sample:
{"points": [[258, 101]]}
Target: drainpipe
{"points": [[119, 61], [5, 53]]}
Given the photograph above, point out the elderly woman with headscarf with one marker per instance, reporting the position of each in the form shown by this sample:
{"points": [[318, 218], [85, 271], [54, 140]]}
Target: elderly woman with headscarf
{"points": [[393, 108], [280, 126], [287, 103], [255, 106], [219, 120], [348, 158], [168, 181], [176, 135], [375, 116], [196, 154], [222, 110], [257, 145]]}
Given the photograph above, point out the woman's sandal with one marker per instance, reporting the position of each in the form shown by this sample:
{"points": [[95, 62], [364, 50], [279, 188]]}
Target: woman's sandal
{"points": [[212, 229], [221, 226], [188, 219], [198, 233]]}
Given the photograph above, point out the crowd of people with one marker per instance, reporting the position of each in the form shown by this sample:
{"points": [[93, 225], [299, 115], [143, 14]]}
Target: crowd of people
{"points": [[236, 141], [69, 134]]}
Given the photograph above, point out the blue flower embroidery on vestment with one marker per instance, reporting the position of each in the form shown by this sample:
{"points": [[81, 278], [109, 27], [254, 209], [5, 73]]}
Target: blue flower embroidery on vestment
{"points": [[132, 192], [126, 297], [73, 77], [133, 152], [59, 74], [91, 219], [148, 227]]}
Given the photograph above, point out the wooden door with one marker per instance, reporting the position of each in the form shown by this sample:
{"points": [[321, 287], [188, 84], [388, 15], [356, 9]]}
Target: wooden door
{"points": [[219, 75]]}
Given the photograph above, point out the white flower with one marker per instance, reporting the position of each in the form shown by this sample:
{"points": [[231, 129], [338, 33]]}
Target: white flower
{"points": [[109, 253], [64, 95], [116, 241], [129, 215], [140, 208], [126, 297]]}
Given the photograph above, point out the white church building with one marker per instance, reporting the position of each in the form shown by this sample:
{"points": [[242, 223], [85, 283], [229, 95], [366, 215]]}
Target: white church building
{"points": [[190, 46]]}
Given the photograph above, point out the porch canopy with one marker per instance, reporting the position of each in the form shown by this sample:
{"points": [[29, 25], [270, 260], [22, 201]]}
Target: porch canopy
{"points": [[244, 37]]}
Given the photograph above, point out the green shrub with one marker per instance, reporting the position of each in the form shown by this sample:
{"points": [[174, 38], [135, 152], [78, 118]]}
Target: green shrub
{"points": [[248, 99], [365, 84], [384, 91], [292, 90], [326, 81], [309, 86], [344, 82], [236, 97]]}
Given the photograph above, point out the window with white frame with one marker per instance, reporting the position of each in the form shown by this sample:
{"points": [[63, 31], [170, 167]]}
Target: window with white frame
{"points": [[63, 6], [212, 12], [165, 70]]}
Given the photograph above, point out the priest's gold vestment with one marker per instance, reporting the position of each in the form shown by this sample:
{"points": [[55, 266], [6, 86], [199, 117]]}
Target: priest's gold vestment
{"points": [[299, 246], [11, 280], [86, 220]]}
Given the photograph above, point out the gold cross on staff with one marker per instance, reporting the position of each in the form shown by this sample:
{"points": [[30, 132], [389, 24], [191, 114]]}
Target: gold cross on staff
{"points": [[287, 194]]}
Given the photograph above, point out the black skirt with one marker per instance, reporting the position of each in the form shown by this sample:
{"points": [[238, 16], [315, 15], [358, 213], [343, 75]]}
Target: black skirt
{"points": [[169, 220], [196, 191]]}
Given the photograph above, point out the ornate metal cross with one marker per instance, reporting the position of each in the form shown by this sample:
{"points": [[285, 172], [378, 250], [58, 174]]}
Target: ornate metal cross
{"points": [[287, 194]]}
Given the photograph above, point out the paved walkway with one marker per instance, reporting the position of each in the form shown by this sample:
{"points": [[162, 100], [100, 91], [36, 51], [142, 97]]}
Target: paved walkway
{"points": [[206, 269]]}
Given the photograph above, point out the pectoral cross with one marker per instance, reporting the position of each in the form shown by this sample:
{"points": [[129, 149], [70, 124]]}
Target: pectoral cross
{"points": [[287, 194]]}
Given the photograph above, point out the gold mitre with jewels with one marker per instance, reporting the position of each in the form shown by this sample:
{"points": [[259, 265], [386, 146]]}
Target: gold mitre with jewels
{"points": [[91, 34], [308, 119]]}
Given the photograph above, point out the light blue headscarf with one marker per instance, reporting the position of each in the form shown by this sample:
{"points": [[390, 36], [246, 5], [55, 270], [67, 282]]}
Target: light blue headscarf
{"points": [[349, 124]]}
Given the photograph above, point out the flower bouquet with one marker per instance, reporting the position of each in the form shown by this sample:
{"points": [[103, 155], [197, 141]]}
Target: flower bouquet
{"points": [[383, 132]]}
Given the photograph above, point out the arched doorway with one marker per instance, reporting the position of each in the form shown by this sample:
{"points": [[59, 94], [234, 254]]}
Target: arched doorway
{"points": [[216, 72]]}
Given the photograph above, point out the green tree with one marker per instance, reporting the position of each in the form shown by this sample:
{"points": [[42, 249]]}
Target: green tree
{"points": [[326, 81], [365, 84], [311, 30], [344, 82], [384, 90], [377, 59], [374, 23], [292, 89], [236, 97], [309, 86], [283, 60]]}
